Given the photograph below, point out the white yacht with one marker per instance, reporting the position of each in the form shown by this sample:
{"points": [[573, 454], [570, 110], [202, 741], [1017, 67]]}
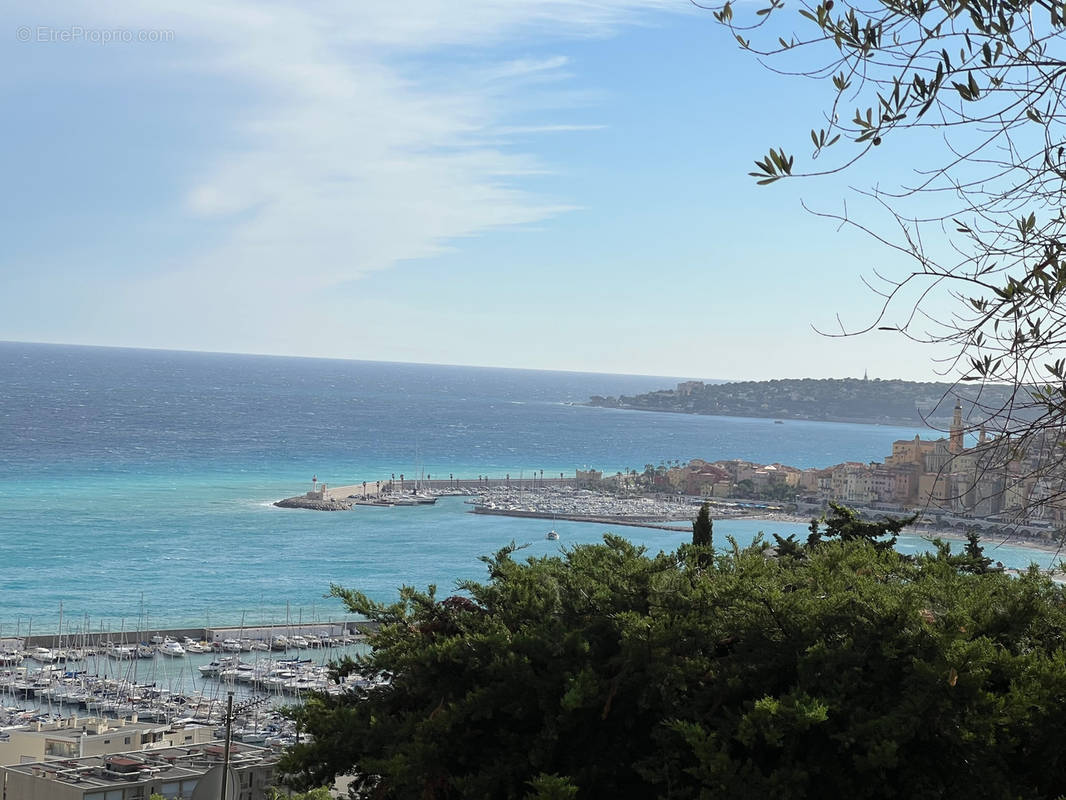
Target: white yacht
{"points": [[213, 669], [172, 649], [122, 652], [42, 655]]}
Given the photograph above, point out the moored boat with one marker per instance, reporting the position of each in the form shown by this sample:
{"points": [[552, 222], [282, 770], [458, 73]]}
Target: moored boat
{"points": [[172, 649], [42, 655]]}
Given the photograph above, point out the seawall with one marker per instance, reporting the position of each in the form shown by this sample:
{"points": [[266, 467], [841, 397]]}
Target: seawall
{"points": [[369, 489], [213, 634]]}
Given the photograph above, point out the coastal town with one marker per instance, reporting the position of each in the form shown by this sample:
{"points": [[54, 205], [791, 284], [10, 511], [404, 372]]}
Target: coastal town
{"points": [[991, 486], [684, 385]]}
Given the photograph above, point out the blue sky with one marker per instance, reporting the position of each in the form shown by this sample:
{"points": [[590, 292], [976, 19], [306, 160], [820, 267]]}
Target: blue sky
{"points": [[557, 184]]}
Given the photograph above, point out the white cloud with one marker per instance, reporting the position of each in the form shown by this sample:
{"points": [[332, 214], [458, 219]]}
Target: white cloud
{"points": [[356, 162], [378, 131]]}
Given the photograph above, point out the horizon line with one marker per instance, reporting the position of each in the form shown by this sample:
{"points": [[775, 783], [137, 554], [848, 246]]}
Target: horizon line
{"points": [[713, 381]]}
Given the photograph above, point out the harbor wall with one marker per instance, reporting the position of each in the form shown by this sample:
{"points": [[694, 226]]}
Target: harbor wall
{"points": [[633, 522], [394, 486], [212, 634]]}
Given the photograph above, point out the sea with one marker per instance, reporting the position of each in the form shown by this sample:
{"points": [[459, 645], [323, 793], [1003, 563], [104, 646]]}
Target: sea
{"points": [[136, 486]]}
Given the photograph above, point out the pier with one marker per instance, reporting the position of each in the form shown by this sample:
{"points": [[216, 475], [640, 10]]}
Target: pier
{"points": [[397, 488], [367, 490]]}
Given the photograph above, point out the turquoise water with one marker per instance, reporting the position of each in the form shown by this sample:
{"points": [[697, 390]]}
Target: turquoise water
{"points": [[133, 479]]}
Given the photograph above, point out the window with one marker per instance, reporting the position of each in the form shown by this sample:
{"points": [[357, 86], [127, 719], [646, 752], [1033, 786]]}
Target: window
{"points": [[53, 747]]}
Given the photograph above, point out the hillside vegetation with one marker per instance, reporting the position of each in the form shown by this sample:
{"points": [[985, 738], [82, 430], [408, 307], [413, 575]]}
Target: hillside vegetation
{"points": [[892, 402]]}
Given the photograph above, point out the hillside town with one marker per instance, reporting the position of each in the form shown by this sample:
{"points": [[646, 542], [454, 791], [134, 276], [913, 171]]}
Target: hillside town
{"points": [[994, 480]]}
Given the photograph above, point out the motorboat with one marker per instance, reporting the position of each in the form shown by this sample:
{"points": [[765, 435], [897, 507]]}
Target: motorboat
{"points": [[122, 652], [217, 666], [171, 648], [42, 655]]}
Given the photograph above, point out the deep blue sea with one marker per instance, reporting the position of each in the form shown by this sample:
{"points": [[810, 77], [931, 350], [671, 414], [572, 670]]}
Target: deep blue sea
{"points": [[135, 479]]}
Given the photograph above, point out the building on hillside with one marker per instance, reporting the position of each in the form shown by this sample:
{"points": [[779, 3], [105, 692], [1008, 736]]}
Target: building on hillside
{"points": [[75, 737], [172, 772], [893, 485], [935, 490], [706, 480], [910, 452], [587, 478], [686, 388], [791, 476], [811, 481], [850, 482]]}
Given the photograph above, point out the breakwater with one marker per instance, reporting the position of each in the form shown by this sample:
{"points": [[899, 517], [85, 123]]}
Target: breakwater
{"points": [[211, 635], [395, 489], [603, 520], [402, 485]]}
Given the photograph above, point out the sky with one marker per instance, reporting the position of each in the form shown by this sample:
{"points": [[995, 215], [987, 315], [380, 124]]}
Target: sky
{"points": [[547, 184]]}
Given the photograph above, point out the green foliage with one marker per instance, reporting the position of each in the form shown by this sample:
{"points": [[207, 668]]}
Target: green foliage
{"points": [[846, 525], [843, 669], [977, 89], [788, 547], [321, 793], [551, 787], [702, 527], [973, 558]]}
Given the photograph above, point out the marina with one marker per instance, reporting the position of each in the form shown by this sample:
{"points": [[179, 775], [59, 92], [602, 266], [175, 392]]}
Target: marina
{"points": [[187, 688], [587, 505]]}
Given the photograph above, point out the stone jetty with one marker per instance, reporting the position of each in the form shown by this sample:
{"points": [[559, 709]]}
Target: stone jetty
{"points": [[396, 490], [315, 503]]}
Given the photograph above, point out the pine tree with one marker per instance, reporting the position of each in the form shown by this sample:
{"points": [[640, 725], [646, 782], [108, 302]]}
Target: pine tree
{"points": [[854, 672], [702, 527]]}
